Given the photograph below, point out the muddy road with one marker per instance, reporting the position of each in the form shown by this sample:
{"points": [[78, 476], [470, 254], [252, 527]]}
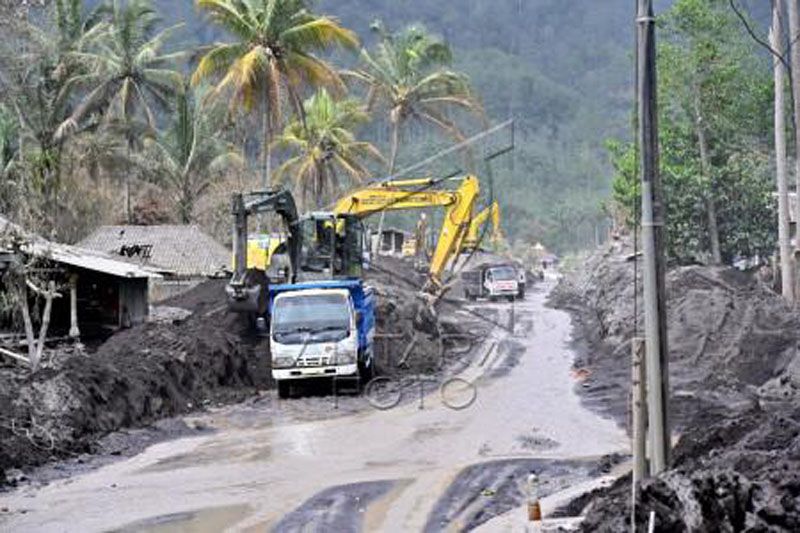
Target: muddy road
{"points": [[453, 460]]}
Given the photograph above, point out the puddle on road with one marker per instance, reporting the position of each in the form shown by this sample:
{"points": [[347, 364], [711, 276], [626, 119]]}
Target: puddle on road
{"points": [[210, 454], [208, 520]]}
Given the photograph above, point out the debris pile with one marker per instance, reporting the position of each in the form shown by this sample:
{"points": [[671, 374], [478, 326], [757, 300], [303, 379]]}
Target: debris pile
{"points": [[412, 338], [735, 378]]}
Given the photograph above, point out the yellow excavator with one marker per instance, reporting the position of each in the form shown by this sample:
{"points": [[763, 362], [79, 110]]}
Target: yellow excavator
{"points": [[420, 194], [474, 235], [341, 223]]}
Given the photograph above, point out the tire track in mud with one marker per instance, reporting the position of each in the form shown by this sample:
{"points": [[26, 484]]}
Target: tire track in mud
{"points": [[340, 508]]}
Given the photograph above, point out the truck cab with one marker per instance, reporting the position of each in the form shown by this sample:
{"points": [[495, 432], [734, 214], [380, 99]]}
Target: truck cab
{"points": [[321, 329], [491, 281], [501, 281]]}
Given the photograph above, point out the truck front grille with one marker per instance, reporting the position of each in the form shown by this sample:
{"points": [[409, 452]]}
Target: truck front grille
{"points": [[311, 360]]}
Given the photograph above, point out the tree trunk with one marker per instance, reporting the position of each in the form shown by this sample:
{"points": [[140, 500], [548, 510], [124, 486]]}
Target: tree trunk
{"points": [[35, 347], [395, 146], [22, 296], [48, 307], [392, 163], [265, 154], [186, 204], [705, 168], [128, 209], [779, 69], [74, 330]]}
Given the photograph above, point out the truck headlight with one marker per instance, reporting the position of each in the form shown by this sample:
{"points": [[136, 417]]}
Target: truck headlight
{"points": [[283, 362], [344, 358]]}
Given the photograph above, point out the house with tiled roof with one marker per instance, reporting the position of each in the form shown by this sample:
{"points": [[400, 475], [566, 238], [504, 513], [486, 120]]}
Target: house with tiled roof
{"points": [[98, 292], [183, 254]]}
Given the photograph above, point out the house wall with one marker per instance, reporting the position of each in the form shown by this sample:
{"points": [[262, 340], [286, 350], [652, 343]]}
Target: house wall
{"points": [[166, 288]]}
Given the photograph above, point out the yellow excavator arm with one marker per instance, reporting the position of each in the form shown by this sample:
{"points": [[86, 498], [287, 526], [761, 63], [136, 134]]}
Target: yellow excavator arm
{"points": [[473, 238], [416, 194]]}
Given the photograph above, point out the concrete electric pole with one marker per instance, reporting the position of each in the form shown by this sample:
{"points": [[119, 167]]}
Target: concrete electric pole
{"points": [[776, 41], [656, 366]]}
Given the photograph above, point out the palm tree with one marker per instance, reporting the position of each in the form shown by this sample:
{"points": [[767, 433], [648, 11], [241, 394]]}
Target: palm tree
{"points": [[408, 76], [74, 22], [126, 75], [272, 58], [188, 156], [325, 148]]}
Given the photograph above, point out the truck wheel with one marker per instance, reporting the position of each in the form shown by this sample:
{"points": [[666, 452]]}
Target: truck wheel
{"points": [[492, 298], [512, 298], [283, 390]]}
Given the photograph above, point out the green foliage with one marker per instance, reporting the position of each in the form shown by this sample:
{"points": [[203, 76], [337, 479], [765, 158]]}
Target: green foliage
{"points": [[710, 82], [274, 51], [188, 157], [407, 77], [124, 73], [9, 140], [625, 189], [275, 56], [325, 149], [562, 73]]}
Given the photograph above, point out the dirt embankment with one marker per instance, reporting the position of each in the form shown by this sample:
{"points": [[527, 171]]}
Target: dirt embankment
{"points": [[137, 376], [735, 380]]}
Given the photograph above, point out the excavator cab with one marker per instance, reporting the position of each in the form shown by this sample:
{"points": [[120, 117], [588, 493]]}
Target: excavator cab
{"points": [[332, 246]]}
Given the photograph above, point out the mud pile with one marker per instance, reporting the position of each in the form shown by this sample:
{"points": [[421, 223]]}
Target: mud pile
{"points": [[737, 474], [411, 336], [734, 374], [732, 341], [137, 376]]}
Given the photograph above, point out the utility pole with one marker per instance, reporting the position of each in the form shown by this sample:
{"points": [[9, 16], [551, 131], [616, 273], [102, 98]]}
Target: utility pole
{"points": [[776, 41], [656, 355], [794, 53]]}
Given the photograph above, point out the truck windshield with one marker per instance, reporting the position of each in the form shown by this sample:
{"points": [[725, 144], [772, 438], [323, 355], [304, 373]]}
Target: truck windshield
{"points": [[504, 274], [311, 313]]}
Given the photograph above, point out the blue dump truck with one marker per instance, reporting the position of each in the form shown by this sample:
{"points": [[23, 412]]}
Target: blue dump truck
{"points": [[321, 329]]}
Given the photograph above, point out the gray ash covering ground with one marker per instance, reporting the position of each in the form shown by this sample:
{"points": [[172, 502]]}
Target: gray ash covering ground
{"points": [[735, 379], [119, 398]]}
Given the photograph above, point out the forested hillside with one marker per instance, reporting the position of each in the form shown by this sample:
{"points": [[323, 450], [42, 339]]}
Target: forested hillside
{"points": [[562, 70]]}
